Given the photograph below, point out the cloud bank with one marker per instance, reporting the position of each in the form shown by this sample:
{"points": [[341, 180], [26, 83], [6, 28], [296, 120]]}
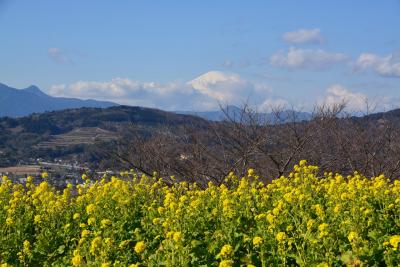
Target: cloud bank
{"points": [[387, 66], [205, 92], [337, 94], [356, 101], [297, 58], [304, 36]]}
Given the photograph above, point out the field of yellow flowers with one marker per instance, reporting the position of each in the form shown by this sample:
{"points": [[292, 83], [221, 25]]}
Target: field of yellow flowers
{"points": [[299, 220]]}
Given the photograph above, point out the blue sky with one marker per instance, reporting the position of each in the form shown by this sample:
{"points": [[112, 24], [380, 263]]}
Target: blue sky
{"points": [[192, 55]]}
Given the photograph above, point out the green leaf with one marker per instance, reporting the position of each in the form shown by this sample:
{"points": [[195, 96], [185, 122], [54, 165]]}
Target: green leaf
{"points": [[61, 249]]}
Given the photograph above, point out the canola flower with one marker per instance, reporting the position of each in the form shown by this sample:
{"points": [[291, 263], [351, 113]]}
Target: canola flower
{"points": [[140, 247], [226, 251], [280, 237], [323, 230], [395, 242], [352, 236], [105, 223], [301, 219], [90, 208], [177, 236], [95, 245], [76, 260], [226, 263], [257, 241]]}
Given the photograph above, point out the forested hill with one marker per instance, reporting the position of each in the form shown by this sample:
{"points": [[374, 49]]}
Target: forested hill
{"points": [[57, 122], [22, 138]]}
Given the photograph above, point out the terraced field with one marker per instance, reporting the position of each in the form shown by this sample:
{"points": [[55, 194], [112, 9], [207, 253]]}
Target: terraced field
{"points": [[78, 136], [22, 170]]}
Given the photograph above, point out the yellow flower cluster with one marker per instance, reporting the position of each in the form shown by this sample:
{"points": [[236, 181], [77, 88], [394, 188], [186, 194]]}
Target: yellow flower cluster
{"points": [[226, 251], [280, 237], [395, 242], [305, 218], [257, 241], [140, 247]]}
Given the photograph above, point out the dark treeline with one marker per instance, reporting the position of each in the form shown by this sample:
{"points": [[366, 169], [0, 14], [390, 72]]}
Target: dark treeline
{"points": [[331, 139]]}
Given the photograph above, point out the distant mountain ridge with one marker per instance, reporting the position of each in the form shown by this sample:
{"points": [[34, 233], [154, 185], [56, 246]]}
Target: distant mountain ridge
{"points": [[235, 113], [22, 102]]}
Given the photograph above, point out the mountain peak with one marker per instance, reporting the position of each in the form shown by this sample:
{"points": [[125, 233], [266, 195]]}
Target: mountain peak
{"points": [[33, 89], [22, 102]]}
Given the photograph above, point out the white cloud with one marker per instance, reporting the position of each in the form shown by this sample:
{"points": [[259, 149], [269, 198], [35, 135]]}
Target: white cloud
{"points": [[59, 56], [123, 91], [57, 89], [116, 88], [297, 58], [304, 36], [388, 66], [337, 94], [358, 102], [202, 93], [225, 87], [274, 103]]}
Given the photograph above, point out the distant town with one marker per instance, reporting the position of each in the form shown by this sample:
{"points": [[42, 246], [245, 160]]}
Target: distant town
{"points": [[60, 172]]}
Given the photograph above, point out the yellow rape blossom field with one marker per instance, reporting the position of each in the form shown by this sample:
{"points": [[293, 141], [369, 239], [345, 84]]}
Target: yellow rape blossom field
{"points": [[298, 220]]}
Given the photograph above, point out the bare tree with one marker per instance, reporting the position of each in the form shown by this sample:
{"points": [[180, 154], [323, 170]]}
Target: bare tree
{"points": [[271, 143]]}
